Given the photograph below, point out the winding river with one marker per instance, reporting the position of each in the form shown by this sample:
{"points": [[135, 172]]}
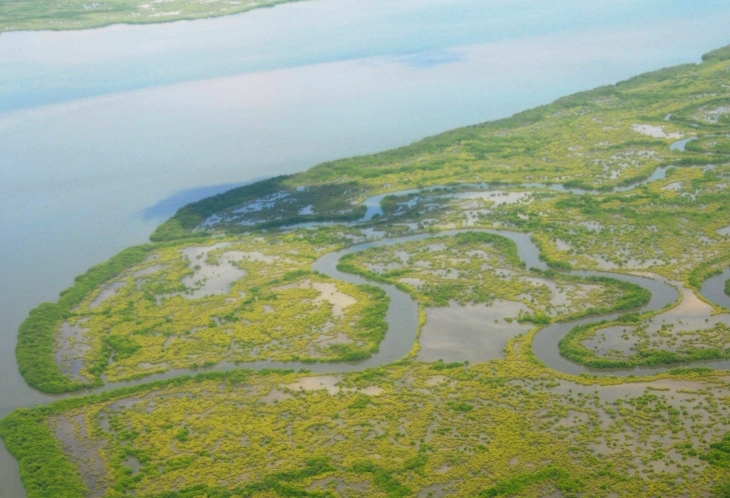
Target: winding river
{"points": [[100, 165], [402, 315]]}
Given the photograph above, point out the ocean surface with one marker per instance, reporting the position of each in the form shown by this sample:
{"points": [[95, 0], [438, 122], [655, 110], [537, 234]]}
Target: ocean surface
{"points": [[105, 132]]}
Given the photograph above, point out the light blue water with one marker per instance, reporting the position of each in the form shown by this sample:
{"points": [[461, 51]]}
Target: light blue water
{"points": [[224, 101], [41, 69]]}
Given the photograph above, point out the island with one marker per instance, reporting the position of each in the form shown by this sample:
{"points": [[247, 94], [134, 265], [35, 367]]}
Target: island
{"points": [[22, 15], [534, 306]]}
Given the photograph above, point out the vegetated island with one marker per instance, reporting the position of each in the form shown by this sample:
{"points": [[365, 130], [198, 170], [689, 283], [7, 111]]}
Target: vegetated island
{"points": [[367, 327], [25, 15]]}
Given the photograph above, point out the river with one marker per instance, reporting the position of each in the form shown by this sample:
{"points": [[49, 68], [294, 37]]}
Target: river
{"points": [[105, 132]]}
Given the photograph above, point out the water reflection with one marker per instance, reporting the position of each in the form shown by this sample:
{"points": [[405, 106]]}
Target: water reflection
{"points": [[50, 67]]}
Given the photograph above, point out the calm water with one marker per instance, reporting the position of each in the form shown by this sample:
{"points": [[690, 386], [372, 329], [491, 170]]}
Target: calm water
{"points": [[103, 133], [51, 67]]}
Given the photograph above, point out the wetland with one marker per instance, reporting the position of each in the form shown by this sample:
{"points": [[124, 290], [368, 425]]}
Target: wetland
{"points": [[534, 306]]}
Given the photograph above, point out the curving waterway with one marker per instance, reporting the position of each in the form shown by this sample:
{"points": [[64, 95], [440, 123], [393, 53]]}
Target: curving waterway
{"points": [[290, 101], [402, 315]]}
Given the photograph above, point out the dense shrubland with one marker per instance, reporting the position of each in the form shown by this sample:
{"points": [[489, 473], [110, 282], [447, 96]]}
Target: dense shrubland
{"points": [[587, 140], [496, 429], [161, 316], [478, 267], [645, 354], [37, 334]]}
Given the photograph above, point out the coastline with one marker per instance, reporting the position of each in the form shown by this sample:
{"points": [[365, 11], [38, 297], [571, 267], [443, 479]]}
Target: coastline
{"points": [[177, 240], [40, 24]]}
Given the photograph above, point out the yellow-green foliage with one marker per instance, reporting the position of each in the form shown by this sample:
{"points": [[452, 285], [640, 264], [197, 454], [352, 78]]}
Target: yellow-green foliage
{"points": [[405, 427], [587, 137], [163, 317], [477, 267], [508, 427], [607, 138], [668, 226], [632, 341]]}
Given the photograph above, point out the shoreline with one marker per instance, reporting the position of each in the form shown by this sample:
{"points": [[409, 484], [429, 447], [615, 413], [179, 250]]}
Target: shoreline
{"points": [[243, 367], [161, 19]]}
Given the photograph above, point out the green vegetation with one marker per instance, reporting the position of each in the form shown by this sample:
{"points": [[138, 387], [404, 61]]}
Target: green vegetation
{"points": [[601, 139], [517, 484], [727, 287], [496, 429], [590, 179], [667, 226], [37, 335], [16, 15], [707, 269], [478, 267], [685, 333], [45, 469], [240, 300], [719, 455], [572, 347], [266, 204]]}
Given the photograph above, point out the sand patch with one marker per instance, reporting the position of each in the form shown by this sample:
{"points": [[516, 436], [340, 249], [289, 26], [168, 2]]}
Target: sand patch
{"points": [[329, 383], [670, 330], [209, 279], [435, 380], [561, 245], [275, 396], [690, 307], [106, 293], [330, 294], [655, 131]]}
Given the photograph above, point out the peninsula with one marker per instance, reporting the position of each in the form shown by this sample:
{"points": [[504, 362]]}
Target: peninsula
{"points": [[535, 306]]}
